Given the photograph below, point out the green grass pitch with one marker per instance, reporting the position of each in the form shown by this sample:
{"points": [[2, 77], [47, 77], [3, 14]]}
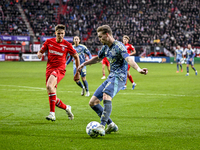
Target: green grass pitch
{"points": [[162, 113]]}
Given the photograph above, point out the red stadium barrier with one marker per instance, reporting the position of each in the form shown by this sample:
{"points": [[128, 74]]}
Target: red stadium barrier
{"points": [[12, 57], [10, 48]]}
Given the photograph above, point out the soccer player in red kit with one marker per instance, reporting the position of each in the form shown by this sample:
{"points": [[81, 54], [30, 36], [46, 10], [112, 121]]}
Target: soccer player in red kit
{"points": [[57, 48], [131, 51], [105, 62]]}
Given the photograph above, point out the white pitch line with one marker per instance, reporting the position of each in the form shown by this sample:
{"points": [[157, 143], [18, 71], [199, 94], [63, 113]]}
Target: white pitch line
{"points": [[36, 88], [156, 94], [133, 93]]}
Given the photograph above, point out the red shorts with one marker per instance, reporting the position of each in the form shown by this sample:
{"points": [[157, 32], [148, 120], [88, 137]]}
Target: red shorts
{"points": [[57, 73], [129, 67], [106, 62]]}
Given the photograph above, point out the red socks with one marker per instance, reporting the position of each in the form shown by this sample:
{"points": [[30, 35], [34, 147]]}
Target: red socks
{"points": [[130, 78], [52, 101], [60, 104]]}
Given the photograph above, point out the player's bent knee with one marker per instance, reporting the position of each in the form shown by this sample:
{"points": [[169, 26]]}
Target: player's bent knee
{"points": [[50, 88], [106, 97], [91, 104], [94, 101]]}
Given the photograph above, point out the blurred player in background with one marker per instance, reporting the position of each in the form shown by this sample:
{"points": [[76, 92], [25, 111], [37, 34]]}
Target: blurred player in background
{"points": [[131, 51], [118, 57], [81, 50], [190, 59], [178, 56], [57, 49], [105, 62]]}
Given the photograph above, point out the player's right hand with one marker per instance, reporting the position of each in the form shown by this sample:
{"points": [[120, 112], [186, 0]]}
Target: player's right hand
{"points": [[80, 67], [144, 71]]}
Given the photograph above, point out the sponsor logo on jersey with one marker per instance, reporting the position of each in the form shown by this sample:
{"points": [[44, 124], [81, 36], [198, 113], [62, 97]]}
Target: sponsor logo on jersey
{"points": [[55, 52], [63, 45]]}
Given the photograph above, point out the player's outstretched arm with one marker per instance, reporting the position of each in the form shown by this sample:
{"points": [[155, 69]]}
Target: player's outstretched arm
{"points": [[77, 62], [94, 60], [133, 64]]}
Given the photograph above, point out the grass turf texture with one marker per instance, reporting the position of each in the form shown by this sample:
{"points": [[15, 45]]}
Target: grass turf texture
{"points": [[163, 112]]}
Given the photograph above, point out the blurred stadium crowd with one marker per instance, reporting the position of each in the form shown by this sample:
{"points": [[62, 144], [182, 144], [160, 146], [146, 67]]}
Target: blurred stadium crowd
{"points": [[147, 22]]}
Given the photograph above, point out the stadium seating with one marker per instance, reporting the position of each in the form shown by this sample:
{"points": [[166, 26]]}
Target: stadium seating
{"points": [[163, 22], [11, 22], [147, 22]]}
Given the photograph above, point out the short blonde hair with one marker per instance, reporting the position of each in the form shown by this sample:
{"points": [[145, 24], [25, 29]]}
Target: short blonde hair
{"points": [[60, 27], [126, 36], [105, 29]]}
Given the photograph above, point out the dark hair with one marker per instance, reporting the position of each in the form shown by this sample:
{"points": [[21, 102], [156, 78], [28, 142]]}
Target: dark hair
{"points": [[60, 27], [105, 29], [77, 37]]}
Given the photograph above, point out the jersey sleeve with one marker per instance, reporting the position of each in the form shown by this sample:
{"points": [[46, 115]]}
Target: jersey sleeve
{"points": [[123, 51], [45, 46], [193, 54], [71, 50], [101, 53], [186, 54], [86, 50]]}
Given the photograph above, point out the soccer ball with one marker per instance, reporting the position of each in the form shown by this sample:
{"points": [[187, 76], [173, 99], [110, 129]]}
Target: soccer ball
{"points": [[90, 126]]}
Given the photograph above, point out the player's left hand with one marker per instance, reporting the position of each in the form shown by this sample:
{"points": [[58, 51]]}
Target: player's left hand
{"points": [[77, 76], [144, 71]]}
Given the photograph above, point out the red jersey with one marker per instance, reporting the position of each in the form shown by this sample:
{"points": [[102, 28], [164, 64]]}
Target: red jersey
{"points": [[130, 48], [57, 53]]}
